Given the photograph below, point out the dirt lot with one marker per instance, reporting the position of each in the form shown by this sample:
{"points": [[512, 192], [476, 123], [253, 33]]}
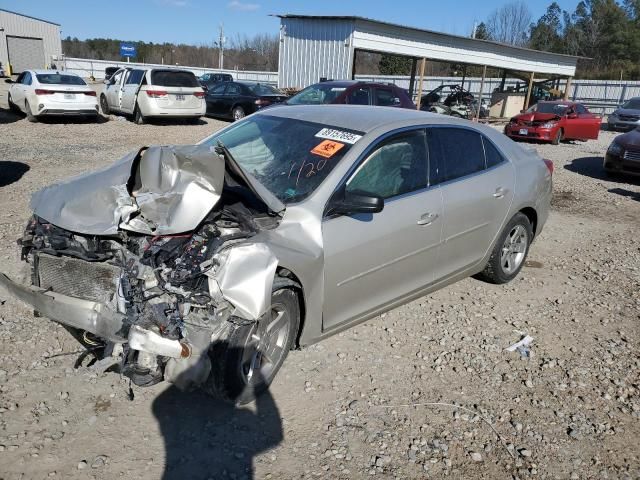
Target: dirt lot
{"points": [[340, 409]]}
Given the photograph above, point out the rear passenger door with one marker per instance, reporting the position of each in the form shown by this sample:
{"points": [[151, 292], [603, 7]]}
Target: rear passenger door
{"points": [[231, 95], [477, 185], [132, 81]]}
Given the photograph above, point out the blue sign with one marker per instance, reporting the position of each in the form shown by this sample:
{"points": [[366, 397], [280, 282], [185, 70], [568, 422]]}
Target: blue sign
{"points": [[127, 50]]}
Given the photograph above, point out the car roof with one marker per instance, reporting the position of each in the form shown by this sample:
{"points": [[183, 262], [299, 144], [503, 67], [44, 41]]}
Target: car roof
{"points": [[558, 102], [362, 118], [350, 83], [60, 72]]}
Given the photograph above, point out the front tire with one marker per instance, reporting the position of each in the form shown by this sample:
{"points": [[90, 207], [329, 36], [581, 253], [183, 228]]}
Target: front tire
{"points": [[238, 113], [246, 362], [509, 252], [558, 137]]}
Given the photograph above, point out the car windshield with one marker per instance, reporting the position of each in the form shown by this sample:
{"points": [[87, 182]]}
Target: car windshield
{"points": [[556, 108], [59, 79], [316, 95], [289, 157], [261, 89], [633, 104], [168, 78]]}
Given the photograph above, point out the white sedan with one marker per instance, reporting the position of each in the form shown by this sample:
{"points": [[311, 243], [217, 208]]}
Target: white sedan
{"points": [[46, 92]]}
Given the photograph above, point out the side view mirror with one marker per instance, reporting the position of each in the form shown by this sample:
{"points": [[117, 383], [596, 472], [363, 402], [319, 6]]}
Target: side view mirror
{"points": [[8, 80], [355, 202], [521, 111], [204, 87]]}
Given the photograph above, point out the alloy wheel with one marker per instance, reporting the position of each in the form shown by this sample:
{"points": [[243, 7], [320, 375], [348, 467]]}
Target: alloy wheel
{"points": [[514, 249]]}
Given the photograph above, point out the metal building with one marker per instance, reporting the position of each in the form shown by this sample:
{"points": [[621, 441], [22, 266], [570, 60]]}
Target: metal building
{"points": [[28, 42], [315, 47]]}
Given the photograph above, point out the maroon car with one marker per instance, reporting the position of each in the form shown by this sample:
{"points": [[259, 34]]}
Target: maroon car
{"points": [[353, 92], [623, 155], [553, 122]]}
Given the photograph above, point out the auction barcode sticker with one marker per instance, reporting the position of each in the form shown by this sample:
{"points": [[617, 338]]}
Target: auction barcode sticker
{"points": [[338, 135]]}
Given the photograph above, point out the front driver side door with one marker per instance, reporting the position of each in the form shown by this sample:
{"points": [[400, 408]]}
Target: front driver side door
{"points": [[372, 260]]}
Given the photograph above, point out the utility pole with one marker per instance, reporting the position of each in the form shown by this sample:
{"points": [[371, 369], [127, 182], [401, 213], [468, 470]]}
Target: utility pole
{"points": [[221, 46]]}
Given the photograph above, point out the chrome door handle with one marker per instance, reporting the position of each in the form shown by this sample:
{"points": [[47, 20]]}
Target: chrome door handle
{"points": [[499, 193], [427, 218]]}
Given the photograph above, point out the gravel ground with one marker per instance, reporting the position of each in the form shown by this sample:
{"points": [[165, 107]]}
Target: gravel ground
{"points": [[415, 393]]}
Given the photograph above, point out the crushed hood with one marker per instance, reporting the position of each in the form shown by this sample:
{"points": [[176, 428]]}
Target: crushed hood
{"points": [[158, 190]]}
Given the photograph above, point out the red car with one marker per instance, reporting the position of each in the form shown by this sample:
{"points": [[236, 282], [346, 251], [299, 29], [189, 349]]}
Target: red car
{"points": [[553, 122]]}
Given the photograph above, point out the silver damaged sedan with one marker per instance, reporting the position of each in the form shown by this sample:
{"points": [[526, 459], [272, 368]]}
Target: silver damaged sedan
{"points": [[205, 264]]}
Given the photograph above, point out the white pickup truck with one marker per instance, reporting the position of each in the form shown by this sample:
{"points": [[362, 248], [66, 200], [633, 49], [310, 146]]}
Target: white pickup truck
{"points": [[153, 93]]}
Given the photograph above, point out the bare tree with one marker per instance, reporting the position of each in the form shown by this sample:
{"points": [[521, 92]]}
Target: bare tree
{"points": [[510, 23]]}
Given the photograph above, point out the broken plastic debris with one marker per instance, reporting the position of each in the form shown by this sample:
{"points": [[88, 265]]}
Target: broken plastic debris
{"points": [[522, 347]]}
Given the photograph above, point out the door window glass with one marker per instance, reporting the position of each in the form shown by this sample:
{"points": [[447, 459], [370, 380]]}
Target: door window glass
{"points": [[20, 78], [115, 80], [134, 77], [359, 96], [454, 153], [218, 89], [397, 166], [233, 89], [580, 109], [491, 153], [27, 78], [386, 98]]}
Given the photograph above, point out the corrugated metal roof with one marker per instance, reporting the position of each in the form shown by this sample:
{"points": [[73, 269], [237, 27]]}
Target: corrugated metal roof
{"points": [[29, 16], [396, 25]]}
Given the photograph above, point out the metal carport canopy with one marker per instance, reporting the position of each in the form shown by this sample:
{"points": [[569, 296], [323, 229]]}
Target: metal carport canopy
{"points": [[384, 37]]}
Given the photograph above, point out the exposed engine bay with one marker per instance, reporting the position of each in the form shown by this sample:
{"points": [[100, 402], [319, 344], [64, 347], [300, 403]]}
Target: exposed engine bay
{"points": [[149, 306]]}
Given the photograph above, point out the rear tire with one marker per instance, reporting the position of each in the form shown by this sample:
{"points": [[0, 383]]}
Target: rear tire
{"points": [[509, 252], [104, 105], [30, 116], [238, 113], [558, 137], [138, 118], [241, 366]]}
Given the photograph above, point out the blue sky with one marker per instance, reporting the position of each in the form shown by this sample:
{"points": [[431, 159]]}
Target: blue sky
{"points": [[196, 21]]}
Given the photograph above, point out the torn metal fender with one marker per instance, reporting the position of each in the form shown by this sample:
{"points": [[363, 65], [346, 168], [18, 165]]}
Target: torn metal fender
{"points": [[158, 190], [246, 278]]}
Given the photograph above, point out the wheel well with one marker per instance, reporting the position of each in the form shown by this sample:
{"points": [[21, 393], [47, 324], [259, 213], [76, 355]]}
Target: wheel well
{"points": [[286, 278], [531, 214]]}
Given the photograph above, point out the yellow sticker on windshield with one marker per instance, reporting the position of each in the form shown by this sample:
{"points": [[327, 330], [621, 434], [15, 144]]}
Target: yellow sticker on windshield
{"points": [[327, 148]]}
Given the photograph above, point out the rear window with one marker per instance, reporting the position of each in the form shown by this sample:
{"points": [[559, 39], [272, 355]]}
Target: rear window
{"points": [[168, 78], [260, 89], [59, 79]]}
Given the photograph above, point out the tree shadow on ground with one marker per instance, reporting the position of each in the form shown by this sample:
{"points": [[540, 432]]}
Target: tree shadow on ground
{"points": [[592, 167], [208, 438], [11, 172]]}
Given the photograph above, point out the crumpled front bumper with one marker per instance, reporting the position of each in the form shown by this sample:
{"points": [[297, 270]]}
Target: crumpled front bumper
{"points": [[94, 317]]}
